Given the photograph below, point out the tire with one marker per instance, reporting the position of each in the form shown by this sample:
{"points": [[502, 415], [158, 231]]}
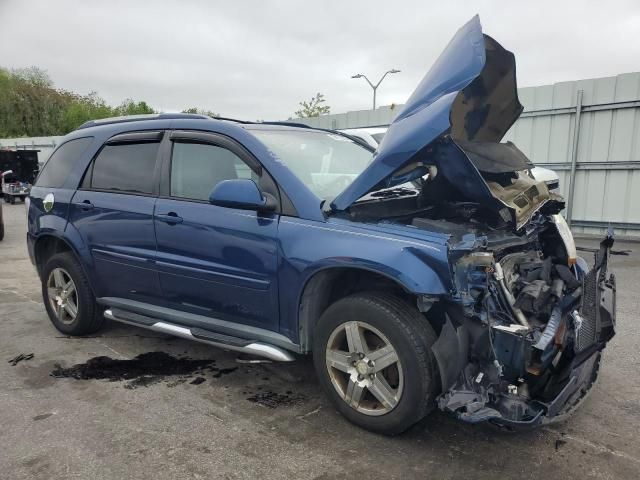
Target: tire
{"points": [[89, 316], [12, 200], [386, 320]]}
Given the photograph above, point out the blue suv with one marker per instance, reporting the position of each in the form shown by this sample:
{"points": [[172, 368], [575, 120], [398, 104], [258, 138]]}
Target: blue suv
{"points": [[435, 271]]}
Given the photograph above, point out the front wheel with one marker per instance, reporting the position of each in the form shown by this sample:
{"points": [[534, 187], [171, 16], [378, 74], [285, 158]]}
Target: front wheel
{"points": [[372, 353]]}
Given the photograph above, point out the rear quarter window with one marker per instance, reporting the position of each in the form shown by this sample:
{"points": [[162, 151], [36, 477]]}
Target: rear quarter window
{"points": [[62, 162]]}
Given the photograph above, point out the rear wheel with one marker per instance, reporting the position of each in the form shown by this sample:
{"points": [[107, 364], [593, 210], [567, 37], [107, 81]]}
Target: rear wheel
{"points": [[68, 298], [372, 353]]}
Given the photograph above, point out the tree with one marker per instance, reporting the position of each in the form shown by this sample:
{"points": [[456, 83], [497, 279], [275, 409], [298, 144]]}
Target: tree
{"points": [[130, 107], [201, 111], [85, 108], [313, 108], [30, 105]]}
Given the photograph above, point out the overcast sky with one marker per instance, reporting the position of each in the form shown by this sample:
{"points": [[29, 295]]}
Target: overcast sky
{"points": [[258, 59]]}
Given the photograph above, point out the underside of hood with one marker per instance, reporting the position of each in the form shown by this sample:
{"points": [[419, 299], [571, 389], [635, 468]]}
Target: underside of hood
{"points": [[470, 93]]}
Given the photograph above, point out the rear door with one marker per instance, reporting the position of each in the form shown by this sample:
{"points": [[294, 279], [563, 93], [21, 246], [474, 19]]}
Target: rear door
{"points": [[215, 261], [113, 212]]}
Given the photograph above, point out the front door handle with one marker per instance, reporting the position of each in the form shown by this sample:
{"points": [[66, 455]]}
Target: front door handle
{"points": [[171, 218], [85, 205]]}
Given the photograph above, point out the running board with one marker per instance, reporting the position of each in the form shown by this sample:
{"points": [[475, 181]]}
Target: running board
{"points": [[204, 336]]}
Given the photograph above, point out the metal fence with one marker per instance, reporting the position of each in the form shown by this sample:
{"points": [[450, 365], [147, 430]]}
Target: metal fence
{"points": [[588, 131]]}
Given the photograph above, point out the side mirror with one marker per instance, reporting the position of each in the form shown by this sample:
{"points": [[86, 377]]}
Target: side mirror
{"points": [[241, 193]]}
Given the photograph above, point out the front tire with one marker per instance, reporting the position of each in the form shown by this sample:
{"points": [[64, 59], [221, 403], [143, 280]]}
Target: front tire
{"points": [[372, 354], [68, 298]]}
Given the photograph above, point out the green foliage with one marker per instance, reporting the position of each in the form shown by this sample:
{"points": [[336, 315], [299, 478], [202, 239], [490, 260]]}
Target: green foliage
{"points": [[89, 107], [313, 108], [31, 106], [130, 107], [200, 111]]}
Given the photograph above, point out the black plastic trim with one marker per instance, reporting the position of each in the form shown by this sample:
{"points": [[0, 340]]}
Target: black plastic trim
{"points": [[136, 137], [203, 334]]}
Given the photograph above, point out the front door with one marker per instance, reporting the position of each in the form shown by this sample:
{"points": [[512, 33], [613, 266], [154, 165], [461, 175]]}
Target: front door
{"points": [[214, 261]]}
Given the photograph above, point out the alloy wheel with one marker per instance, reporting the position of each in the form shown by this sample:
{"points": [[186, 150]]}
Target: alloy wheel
{"points": [[364, 368], [63, 296]]}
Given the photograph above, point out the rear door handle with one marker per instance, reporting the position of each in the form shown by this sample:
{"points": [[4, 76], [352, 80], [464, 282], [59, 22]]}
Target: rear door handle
{"points": [[171, 218], [84, 205]]}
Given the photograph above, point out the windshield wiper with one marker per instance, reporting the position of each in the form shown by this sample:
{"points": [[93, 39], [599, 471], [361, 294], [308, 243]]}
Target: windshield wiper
{"points": [[393, 192]]}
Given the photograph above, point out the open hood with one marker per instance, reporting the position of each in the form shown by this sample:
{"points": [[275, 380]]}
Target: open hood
{"points": [[469, 93]]}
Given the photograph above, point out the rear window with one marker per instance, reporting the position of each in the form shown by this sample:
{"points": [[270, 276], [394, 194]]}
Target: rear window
{"points": [[61, 163], [125, 167]]}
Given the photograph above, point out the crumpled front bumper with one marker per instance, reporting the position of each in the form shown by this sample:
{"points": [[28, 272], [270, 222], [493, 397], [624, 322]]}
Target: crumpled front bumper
{"points": [[483, 395], [596, 328]]}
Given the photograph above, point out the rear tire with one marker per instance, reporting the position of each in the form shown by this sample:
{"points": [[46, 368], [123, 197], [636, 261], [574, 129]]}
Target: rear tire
{"points": [[68, 298], [381, 393]]}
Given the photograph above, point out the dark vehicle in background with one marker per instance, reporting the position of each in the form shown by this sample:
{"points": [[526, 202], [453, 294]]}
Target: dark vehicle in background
{"points": [[18, 170], [435, 271]]}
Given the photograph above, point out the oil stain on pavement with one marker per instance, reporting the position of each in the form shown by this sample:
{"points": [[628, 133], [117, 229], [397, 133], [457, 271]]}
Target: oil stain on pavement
{"points": [[144, 370], [157, 367], [272, 399]]}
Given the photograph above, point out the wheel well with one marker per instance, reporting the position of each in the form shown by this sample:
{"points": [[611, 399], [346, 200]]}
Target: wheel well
{"points": [[328, 286], [46, 247]]}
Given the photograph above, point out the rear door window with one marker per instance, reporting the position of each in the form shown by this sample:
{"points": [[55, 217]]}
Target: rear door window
{"points": [[61, 163], [127, 167]]}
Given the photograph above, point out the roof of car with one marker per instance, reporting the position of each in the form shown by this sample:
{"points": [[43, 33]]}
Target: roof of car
{"points": [[185, 116]]}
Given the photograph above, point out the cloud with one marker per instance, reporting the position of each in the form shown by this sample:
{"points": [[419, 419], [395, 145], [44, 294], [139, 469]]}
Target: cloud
{"points": [[257, 59]]}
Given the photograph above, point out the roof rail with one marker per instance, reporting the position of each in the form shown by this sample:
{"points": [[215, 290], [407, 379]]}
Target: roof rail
{"points": [[288, 124], [235, 120], [137, 118]]}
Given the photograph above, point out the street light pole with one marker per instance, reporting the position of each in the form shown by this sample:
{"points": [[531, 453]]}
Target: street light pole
{"points": [[375, 87]]}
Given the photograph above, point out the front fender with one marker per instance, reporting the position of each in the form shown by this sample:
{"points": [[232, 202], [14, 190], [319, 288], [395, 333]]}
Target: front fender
{"points": [[419, 266]]}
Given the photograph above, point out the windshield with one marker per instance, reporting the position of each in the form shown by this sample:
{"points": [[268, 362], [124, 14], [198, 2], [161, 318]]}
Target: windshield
{"points": [[326, 162]]}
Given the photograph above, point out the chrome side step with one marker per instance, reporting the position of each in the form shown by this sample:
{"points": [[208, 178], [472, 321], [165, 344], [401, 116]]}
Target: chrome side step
{"points": [[210, 338]]}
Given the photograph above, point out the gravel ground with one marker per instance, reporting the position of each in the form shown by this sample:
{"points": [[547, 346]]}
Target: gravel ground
{"points": [[217, 418]]}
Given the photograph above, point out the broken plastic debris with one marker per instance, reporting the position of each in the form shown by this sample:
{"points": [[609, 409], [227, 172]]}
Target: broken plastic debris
{"points": [[15, 360]]}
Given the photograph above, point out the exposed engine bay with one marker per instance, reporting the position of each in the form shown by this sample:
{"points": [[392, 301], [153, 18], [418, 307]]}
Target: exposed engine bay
{"points": [[528, 330]]}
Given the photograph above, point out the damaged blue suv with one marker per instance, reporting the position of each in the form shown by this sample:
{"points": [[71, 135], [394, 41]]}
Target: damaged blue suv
{"points": [[433, 272]]}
